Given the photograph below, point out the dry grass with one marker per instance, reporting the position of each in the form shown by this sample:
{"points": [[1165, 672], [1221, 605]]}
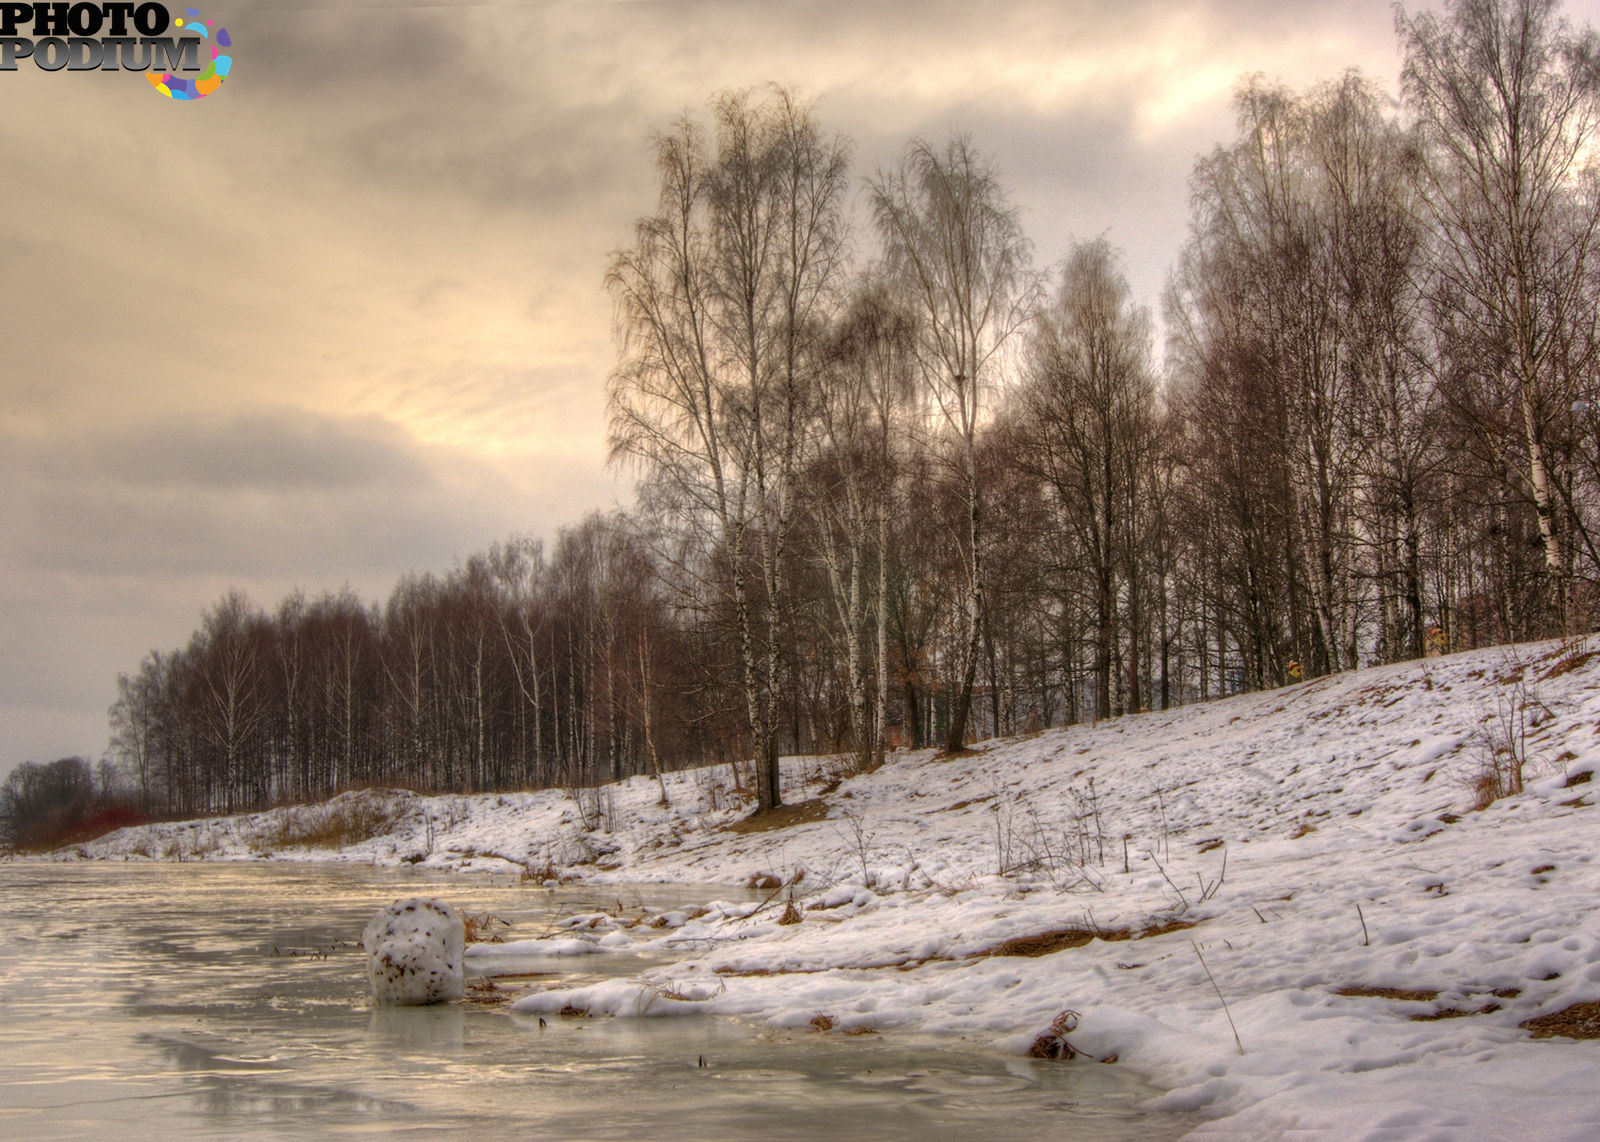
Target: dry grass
{"points": [[480, 928], [1042, 943], [1567, 664], [1580, 1021], [1053, 1044], [1426, 995], [780, 818], [346, 820], [1404, 995], [485, 992], [1453, 1013], [1059, 939]]}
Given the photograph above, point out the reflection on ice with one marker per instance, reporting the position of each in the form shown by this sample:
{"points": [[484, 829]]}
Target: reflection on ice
{"points": [[441, 1028]]}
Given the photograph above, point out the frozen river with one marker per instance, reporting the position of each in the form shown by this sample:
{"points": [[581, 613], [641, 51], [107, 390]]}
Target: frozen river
{"points": [[229, 1001]]}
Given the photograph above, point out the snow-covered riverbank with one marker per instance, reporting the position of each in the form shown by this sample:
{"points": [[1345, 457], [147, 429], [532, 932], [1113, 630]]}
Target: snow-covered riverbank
{"points": [[1311, 856]]}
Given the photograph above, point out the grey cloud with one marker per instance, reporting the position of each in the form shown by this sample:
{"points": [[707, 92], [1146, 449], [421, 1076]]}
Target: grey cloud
{"points": [[276, 494], [271, 453]]}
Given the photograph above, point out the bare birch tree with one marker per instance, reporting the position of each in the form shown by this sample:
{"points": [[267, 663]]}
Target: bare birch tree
{"points": [[861, 419], [955, 248], [1090, 429], [719, 300]]}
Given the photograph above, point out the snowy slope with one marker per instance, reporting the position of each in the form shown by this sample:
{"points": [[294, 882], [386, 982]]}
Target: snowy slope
{"points": [[1377, 940]]}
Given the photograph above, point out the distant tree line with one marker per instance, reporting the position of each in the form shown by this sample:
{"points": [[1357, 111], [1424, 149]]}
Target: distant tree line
{"points": [[901, 487], [44, 805]]}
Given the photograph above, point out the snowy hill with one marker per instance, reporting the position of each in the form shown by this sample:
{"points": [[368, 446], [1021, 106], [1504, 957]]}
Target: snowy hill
{"points": [[1379, 941]]}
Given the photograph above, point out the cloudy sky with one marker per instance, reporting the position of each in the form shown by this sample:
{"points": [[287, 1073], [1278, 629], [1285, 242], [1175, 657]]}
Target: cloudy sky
{"points": [[344, 319]]}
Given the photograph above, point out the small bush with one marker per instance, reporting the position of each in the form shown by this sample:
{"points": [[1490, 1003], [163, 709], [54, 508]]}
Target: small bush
{"points": [[1502, 736]]}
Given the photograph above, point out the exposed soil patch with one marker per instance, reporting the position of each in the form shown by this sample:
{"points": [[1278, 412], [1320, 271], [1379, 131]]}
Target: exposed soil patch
{"points": [[781, 818], [1404, 995], [1580, 1021]]}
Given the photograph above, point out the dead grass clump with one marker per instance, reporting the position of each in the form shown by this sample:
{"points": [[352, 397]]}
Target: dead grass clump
{"points": [[822, 1022], [1165, 928], [1580, 1021], [1042, 944], [485, 992], [1567, 664], [1047, 943], [781, 818], [763, 881], [348, 819], [540, 873], [1404, 995], [480, 928], [791, 915], [1453, 1013], [1052, 1044]]}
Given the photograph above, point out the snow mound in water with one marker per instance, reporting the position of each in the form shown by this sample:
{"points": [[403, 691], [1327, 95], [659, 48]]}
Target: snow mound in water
{"points": [[414, 952]]}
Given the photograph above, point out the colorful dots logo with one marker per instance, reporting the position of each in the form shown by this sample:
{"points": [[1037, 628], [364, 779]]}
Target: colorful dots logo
{"points": [[216, 69]]}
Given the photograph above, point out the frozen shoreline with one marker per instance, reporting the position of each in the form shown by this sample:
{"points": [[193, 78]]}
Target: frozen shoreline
{"points": [[1377, 941]]}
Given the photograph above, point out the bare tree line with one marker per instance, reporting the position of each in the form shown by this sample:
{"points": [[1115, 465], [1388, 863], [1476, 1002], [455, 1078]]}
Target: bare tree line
{"points": [[899, 487]]}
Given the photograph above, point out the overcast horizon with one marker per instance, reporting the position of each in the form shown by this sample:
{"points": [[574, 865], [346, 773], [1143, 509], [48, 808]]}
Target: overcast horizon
{"points": [[345, 319]]}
